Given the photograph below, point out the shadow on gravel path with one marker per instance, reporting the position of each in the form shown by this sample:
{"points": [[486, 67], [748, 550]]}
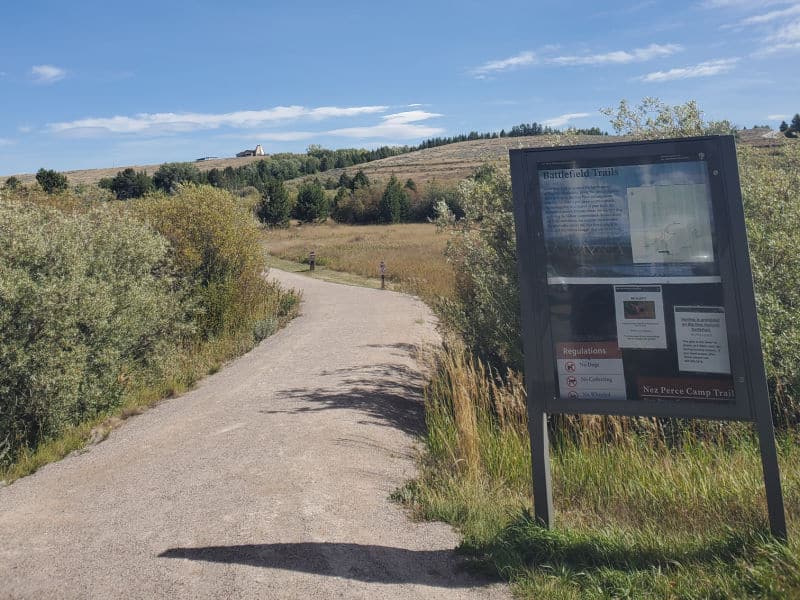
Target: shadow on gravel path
{"points": [[373, 564], [388, 394]]}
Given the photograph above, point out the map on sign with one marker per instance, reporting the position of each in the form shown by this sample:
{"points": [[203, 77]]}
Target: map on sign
{"points": [[670, 224]]}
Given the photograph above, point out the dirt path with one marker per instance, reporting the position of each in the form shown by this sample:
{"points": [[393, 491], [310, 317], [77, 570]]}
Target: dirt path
{"points": [[270, 480]]}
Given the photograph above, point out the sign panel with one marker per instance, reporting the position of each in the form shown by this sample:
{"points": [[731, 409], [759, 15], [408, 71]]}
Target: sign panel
{"points": [[634, 270]]}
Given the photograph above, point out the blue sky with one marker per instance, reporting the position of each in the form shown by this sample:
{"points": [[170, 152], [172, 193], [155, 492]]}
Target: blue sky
{"points": [[92, 84]]}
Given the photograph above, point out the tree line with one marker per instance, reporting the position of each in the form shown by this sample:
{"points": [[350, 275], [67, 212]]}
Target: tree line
{"points": [[792, 129], [130, 183]]}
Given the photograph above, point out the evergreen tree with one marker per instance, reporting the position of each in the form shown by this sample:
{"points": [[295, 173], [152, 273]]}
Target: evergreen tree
{"points": [[410, 185], [394, 206], [793, 130], [783, 127], [311, 205], [275, 206], [360, 180]]}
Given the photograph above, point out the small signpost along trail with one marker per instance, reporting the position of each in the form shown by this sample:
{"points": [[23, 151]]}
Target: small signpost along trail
{"points": [[270, 480]]}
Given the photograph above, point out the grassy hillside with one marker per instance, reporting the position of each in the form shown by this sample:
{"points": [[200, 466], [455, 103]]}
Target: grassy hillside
{"points": [[443, 163], [452, 162]]}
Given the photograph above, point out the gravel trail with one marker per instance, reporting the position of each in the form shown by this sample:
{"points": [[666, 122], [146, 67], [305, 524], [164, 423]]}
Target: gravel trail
{"points": [[270, 480]]}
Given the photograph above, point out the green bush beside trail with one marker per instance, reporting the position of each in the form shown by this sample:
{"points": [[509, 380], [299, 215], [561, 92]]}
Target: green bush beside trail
{"points": [[98, 301], [85, 299]]}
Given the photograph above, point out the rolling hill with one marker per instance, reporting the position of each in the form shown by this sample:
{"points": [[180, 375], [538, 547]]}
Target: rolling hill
{"points": [[451, 162]]}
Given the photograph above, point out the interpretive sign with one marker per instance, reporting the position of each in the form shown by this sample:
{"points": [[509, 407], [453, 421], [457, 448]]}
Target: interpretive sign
{"points": [[636, 291]]}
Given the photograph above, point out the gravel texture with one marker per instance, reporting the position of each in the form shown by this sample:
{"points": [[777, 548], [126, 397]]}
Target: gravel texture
{"points": [[270, 480]]}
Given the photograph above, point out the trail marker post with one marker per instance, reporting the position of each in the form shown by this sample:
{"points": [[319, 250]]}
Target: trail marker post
{"points": [[636, 292], [312, 259], [383, 275]]}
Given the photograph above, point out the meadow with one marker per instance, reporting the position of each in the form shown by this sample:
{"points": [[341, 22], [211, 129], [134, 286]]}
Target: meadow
{"points": [[413, 253]]}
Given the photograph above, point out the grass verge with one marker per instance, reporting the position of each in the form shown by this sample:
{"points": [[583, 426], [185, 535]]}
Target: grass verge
{"points": [[635, 518], [324, 273]]}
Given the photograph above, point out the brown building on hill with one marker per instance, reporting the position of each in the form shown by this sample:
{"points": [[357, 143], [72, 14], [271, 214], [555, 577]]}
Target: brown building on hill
{"points": [[259, 151]]}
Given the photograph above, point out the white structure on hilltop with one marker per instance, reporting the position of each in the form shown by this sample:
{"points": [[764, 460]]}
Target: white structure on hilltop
{"points": [[259, 151]]}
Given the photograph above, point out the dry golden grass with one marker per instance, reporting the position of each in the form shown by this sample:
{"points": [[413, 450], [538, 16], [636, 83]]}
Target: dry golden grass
{"points": [[449, 163], [414, 252]]}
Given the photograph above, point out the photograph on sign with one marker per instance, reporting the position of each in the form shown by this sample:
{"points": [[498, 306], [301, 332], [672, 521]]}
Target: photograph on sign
{"points": [[640, 316], [635, 294]]}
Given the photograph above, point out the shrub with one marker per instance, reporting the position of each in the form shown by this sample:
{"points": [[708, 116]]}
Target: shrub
{"points": [[434, 192], [170, 176], [51, 181], [85, 299], [771, 193], [12, 183], [129, 184], [216, 247], [482, 250], [357, 206]]}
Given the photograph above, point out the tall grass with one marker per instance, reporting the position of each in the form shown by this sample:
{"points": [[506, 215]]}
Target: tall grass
{"points": [[637, 516]]}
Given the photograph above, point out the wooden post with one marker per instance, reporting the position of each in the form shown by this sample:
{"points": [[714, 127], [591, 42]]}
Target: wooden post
{"points": [[383, 275], [312, 259]]}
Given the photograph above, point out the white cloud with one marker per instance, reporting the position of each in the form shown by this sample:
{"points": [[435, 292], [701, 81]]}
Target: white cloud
{"points": [[47, 73], [785, 38], [6, 142], [281, 136], [620, 56], [513, 62], [703, 69], [562, 120], [403, 125], [741, 3], [777, 117], [771, 16], [24, 128], [159, 123]]}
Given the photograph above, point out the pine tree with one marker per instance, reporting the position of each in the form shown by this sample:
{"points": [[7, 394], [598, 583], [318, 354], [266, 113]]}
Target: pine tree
{"points": [[795, 126], [312, 205], [275, 206], [395, 205]]}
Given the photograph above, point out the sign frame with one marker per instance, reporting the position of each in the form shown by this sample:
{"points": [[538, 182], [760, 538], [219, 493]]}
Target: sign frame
{"points": [[747, 367]]}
